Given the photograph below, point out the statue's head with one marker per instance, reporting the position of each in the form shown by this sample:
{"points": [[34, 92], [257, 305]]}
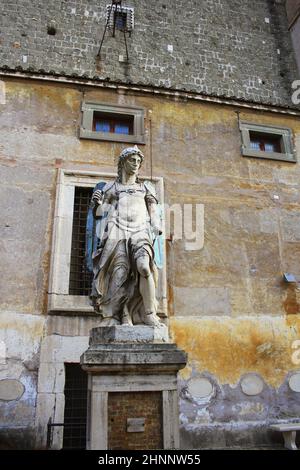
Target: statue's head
{"points": [[130, 159]]}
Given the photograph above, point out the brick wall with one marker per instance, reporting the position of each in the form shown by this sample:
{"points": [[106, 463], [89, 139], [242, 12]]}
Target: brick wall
{"points": [[146, 405], [217, 47]]}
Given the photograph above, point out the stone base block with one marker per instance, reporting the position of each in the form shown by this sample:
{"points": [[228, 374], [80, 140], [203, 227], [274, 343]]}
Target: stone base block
{"points": [[129, 334], [132, 388]]}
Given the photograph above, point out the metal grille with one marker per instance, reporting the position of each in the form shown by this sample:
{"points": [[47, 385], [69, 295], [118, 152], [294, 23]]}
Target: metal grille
{"points": [[80, 277], [119, 17], [75, 407]]}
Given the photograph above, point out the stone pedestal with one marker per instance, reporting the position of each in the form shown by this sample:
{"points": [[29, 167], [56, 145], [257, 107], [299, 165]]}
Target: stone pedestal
{"points": [[132, 388]]}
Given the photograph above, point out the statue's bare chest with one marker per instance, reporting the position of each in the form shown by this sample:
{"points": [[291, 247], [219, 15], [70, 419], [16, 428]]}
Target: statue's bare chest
{"points": [[130, 204]]}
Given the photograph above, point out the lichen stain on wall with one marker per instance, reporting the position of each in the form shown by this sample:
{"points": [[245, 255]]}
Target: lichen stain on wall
{"points": [[230, 347]]}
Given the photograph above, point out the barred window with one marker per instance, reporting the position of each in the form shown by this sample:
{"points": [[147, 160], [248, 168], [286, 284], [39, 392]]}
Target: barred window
{"points": [[122, 17], [80, 278], [70, 281]]}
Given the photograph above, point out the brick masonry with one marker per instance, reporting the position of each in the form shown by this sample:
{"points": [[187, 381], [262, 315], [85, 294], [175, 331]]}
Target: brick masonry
{"points": [[122, 406], [218, 47]]}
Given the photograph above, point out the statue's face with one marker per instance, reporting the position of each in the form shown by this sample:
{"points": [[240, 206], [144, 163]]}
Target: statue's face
{"points": [[132, 164]]}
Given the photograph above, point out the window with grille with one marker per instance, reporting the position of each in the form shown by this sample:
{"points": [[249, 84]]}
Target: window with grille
{"points": [[267, 142], [119, 17], [75, 407], [70, 281], [120, 20], [80, 278]]}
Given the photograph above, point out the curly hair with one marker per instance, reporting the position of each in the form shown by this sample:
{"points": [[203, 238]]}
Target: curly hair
{"points": [[124, 155]]}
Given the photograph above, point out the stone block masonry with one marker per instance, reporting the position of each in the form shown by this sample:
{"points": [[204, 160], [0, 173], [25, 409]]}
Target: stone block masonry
{"points": [[225, 48]]}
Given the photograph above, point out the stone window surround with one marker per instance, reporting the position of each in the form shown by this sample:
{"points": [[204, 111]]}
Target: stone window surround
{"points": [[59, 299], [86, 129], [129, 11], [284, 132]]}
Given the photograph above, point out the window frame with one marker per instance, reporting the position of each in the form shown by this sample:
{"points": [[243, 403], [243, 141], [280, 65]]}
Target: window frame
{"points": [[284, 133], [129, 11], [59, 299], [112, 122], [86, 131]]}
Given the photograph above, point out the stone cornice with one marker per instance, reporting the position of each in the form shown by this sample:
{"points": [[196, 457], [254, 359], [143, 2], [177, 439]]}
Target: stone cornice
{"points": [[144, 89]]}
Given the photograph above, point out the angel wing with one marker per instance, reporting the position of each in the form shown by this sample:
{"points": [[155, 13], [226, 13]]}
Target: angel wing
{"points": [[158, 245], [94, 227], [159, 242]]}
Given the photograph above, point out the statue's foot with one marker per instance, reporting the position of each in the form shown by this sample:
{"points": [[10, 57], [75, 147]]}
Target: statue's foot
{"points": [[151, 319], [126, 320]]}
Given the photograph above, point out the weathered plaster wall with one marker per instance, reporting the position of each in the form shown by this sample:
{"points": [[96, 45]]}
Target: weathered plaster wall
{"points": [[20, 338], [230, 309], [217, 47], [240, 378]]}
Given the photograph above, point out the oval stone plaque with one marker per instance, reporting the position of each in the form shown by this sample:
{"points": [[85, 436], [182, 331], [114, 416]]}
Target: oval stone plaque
{"points": [[200, 387], [294, 382], [252, 385], [11, 389]]}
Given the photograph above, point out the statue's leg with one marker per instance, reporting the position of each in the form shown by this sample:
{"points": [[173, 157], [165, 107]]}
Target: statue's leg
{"points": [[147, 291], [111, 284], [117, 290]]}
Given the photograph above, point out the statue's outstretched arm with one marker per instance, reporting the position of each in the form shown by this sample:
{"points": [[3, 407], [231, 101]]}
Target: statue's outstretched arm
{"points": [[92, 224]]}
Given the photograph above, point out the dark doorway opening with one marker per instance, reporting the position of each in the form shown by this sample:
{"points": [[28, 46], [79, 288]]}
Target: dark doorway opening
{"points": [[75, 407]]}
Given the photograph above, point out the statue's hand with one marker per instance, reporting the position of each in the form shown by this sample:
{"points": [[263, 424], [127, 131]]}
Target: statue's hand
{"points": [[97, 197]]}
